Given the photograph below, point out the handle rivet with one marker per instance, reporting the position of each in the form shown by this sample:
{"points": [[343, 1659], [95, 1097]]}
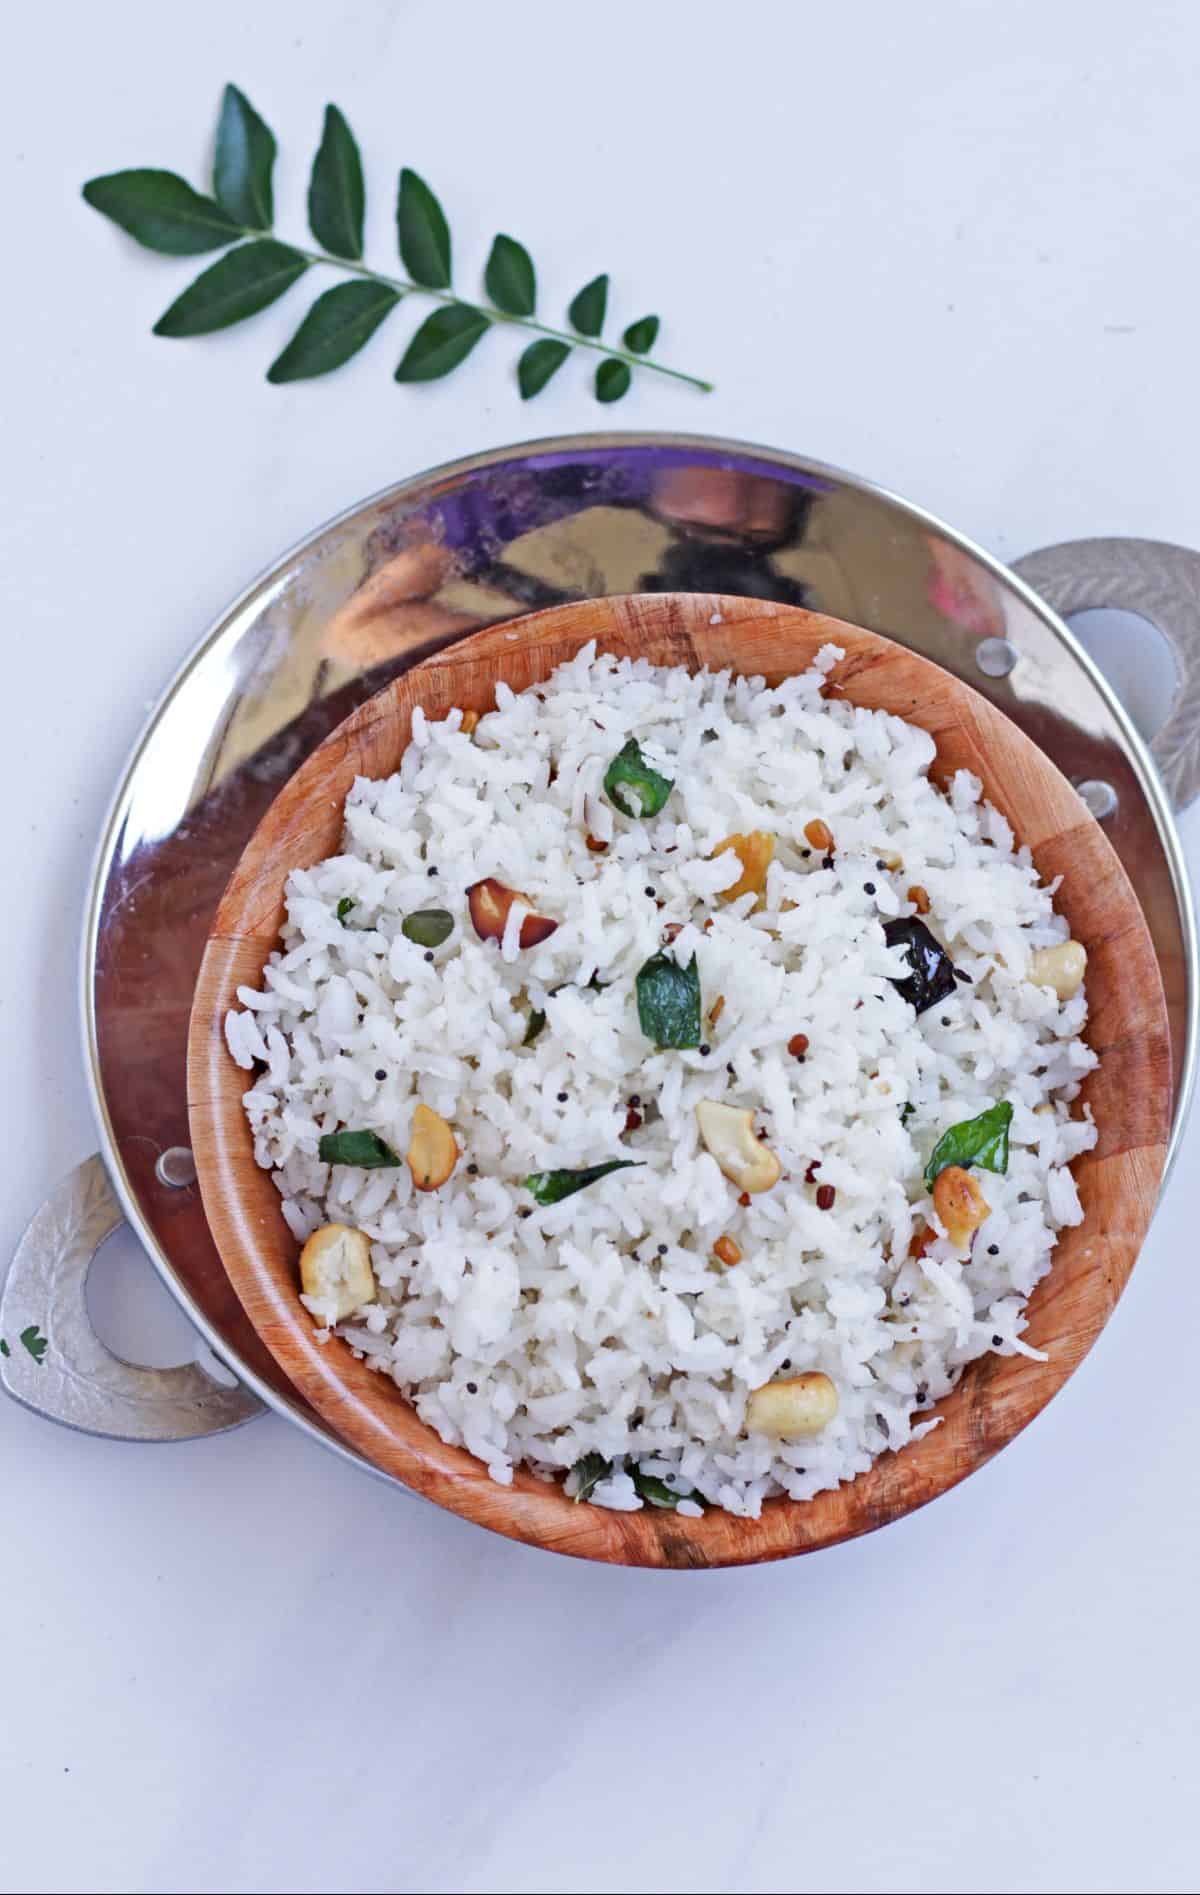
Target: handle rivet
{"points": [[1100, 797], [995, 657], [176, 1167]]}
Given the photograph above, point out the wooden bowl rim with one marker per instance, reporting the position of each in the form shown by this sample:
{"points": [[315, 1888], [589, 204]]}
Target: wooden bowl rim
{"points": [[995, 1398]]}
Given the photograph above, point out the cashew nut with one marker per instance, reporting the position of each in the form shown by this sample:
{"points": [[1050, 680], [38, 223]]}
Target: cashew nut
{"points": [[432, 1153], [335, 1271], [1062, 967], [960, 1204], [754, 852], [727, 1131], [804, 1404]]}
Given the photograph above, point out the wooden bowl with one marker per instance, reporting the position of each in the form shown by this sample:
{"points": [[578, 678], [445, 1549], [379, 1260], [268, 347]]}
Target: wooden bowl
{"points": [[1130, 1091]]}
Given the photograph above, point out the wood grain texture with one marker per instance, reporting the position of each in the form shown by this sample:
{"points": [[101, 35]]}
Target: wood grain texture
{"points": [[1130, 1092]]}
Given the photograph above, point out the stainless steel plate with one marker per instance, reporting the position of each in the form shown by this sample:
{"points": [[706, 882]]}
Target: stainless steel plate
{"points": [[439, 556]]}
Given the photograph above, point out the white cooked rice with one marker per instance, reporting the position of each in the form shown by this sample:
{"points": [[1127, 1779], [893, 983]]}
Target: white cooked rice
{"points": [[603, 1324]]}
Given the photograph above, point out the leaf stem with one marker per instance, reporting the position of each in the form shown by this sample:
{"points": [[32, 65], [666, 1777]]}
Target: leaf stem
{"points": [[407, 288]]}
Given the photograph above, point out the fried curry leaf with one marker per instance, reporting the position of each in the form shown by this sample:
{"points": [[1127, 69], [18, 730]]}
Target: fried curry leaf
{"points": [[589, 1472], [365, 1149], [981, 1141], [668, 1001], [656, 1492], [551, 1187], [630, 771], [344, 907], [537, 1021], [429, 927]]}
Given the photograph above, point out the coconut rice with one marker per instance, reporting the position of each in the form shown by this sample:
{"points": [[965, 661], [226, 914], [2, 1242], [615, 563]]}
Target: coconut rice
{"points": [[605, 1325]]}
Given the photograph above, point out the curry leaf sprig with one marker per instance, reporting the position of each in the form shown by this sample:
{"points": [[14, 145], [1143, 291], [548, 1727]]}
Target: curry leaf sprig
{"points": [[162, 212]]}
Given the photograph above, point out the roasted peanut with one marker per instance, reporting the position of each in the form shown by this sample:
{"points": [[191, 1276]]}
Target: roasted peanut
{"points": [[432, 1151], [1062, 967], [803, 1404], [489, 902], [727, 1131], [726, 1251], [754, 852], [798, 1045], [335, 1270], [960, 1204], [596, 846]]}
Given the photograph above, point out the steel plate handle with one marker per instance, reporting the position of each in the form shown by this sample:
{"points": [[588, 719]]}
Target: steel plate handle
{"points": [[1162, 583], [52, 1360]]}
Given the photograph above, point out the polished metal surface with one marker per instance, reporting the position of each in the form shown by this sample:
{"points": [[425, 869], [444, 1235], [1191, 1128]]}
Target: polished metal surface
{"points": [[469, 545], [1162, 583], [74, 1379]]}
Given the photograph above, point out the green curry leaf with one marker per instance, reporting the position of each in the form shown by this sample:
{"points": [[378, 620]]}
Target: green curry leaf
{"points": [[635, 788], [243, 162], [981, 1141], [537, 1021], [365, 1149], [589, 1472], [656, 1491], [668, 1001], [551, 1187]]}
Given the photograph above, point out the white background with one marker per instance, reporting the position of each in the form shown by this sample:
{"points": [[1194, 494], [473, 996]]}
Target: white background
{"points": [[950, 244]]}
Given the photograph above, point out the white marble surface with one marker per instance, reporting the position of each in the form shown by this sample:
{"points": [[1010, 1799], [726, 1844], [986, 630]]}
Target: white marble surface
{"points": [[953, 245]]}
